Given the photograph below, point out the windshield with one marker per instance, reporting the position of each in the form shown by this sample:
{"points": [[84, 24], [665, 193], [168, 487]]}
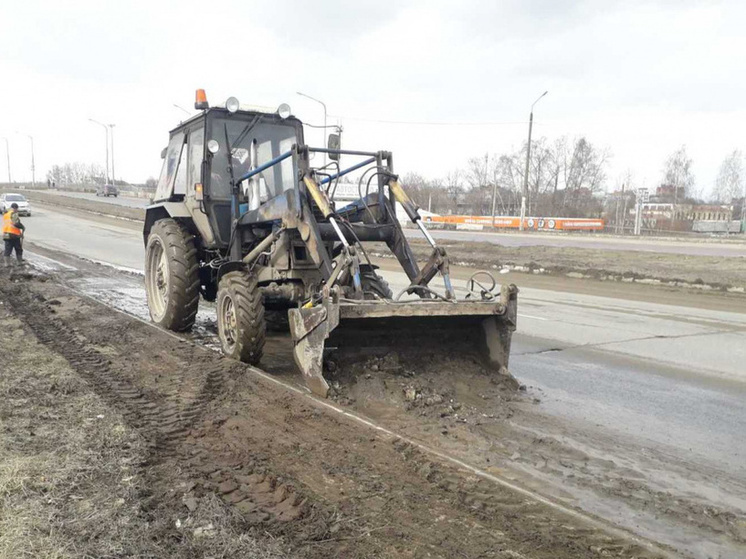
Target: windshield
{"points": [[15, 198], [253, 143]]}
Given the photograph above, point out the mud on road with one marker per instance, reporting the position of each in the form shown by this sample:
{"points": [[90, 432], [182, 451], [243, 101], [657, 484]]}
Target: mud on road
{"points": [[227, 461]]}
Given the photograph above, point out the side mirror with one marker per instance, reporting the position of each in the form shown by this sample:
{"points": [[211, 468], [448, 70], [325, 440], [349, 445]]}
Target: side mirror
{"points": [[334, 142], [163, 153]]}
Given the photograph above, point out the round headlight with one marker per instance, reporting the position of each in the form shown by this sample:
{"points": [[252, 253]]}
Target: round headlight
{"points": [[283, 110], [213, 146], [232, 104]]}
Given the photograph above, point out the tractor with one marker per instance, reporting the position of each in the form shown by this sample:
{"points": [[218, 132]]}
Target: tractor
{"points": [[242, 218]]}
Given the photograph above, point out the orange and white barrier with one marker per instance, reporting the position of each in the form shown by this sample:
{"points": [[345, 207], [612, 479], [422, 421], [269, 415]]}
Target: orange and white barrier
{"points": [[533, 223]]}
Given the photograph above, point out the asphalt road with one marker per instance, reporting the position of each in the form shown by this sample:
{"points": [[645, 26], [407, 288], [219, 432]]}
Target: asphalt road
{"points": [[697, 247], [118, 200], [639, 379]]}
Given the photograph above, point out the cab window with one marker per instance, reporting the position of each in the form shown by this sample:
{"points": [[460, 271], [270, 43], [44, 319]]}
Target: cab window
{"points": [[170, 165], [196, 144], [253, 143]]}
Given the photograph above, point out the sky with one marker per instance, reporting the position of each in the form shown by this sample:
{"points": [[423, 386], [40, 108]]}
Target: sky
{"points": [[435, 82]]}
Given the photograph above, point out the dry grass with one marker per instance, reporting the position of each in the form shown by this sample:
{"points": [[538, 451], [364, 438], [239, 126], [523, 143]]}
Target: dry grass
{"points": [[72, 484]]}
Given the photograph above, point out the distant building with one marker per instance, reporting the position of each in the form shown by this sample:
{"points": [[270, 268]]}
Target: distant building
{"points": [[668, 194], [687, 217]]}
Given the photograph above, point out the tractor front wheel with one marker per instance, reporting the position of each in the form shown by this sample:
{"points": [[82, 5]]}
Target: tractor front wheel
{"points": [[172, 276], [241, 324]]}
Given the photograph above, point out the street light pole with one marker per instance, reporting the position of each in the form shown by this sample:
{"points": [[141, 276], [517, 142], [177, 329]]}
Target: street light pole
{"points": [[7, 154], [528, 160], [182, 109], [33, 165], [323, 105], [106, 130], [113, 175]]}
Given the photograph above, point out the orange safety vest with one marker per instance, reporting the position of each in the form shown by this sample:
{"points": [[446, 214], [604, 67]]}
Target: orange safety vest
{"points": [[8, 227]]}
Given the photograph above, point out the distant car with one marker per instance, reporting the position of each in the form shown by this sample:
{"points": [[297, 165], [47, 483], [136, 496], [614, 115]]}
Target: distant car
{"points": [[107, 190], [24, 208]]}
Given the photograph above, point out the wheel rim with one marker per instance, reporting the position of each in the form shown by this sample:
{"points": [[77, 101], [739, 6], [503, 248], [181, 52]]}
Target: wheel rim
{"points": [[158, 279], [228, 323]]}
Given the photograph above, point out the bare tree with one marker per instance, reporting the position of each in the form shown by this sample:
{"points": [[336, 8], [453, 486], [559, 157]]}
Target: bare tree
{"points": [[731, 178], [586, 168], [583, 174], [678, 173], [77, 175], [478, 171]]}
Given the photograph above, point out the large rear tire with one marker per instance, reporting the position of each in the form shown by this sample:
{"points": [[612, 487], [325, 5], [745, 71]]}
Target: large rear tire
{"points": [[374, 286], [172, 276], [241, 325]]}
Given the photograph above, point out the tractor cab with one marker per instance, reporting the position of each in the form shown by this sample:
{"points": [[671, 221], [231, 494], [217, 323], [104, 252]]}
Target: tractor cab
{"points": [[208, 153]]}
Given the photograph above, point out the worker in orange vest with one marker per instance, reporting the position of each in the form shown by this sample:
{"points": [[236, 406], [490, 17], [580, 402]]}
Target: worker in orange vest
{"points": [[13, 234]]}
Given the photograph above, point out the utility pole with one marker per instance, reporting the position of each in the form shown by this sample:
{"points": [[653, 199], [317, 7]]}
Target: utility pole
{"points": [[323, 105], [113, 175], [743, 208], [7, 154], [106, 130], [642, 199], [494, 200], [33, 165], [528, 160], [620, 228]]}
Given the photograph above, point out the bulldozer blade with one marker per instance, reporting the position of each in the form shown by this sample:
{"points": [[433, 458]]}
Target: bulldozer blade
{"points": [[420, 329], [309, 328]]}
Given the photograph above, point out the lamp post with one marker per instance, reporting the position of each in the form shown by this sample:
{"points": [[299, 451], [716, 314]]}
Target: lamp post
{"points": [[113, 175], [33, 165], [528, 160], [7, 154], [106, 130], [323, 105], [182, 109]]}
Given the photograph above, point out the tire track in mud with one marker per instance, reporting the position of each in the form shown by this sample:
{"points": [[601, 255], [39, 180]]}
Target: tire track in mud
{"points": [[164, 419]]}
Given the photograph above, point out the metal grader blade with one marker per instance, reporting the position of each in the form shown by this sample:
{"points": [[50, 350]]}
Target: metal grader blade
{"points": [[428, 326]]}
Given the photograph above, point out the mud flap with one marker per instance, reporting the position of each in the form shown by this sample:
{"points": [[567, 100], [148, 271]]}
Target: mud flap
{"points": [[310, 329]]}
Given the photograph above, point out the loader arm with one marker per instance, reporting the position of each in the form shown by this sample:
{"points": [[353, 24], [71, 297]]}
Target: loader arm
{"points": [[438, 261]]}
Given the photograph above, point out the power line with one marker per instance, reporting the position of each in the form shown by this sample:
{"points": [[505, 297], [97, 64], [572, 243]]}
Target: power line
{"points": [[429, 123]]}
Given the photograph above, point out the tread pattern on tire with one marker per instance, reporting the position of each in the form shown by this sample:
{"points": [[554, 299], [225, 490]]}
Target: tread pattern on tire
{"points": [[248, 305], [181, 251], [373, 285]]}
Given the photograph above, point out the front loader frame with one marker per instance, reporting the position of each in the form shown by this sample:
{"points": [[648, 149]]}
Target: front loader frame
{"points": [[332, 237]]}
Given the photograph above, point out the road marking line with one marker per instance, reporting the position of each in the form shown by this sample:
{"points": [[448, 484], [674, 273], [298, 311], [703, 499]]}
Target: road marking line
{"points": [[534, 317]]}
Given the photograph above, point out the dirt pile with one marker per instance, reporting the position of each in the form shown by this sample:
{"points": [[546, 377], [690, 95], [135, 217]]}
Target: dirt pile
{"points": [[419, 383]]}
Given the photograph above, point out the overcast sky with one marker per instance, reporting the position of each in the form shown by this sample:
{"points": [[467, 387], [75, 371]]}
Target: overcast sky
{"points": [[640, 78]]}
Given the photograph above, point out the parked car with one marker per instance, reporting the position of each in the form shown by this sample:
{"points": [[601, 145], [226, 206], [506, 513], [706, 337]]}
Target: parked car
{"points": [[107, 190], [24, 208]]}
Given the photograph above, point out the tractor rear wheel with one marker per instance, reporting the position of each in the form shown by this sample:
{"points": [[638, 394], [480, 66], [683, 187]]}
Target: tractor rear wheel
{"points": [[172, 276], [374, 286], [241, 324]]}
